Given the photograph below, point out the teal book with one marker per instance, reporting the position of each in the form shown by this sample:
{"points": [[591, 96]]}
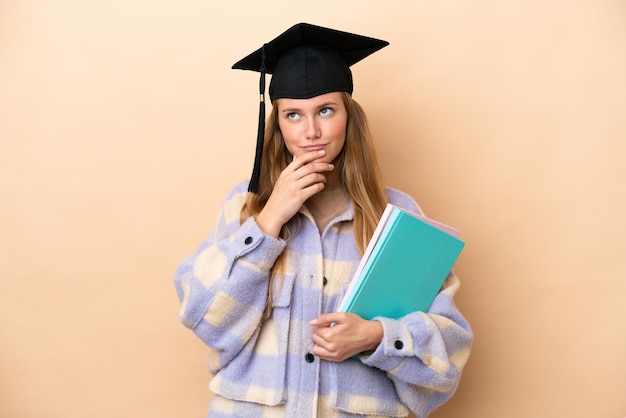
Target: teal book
{"points": [[403, 267]]}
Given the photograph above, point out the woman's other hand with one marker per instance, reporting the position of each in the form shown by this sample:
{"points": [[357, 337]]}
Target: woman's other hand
{"points": [[340, 335]]}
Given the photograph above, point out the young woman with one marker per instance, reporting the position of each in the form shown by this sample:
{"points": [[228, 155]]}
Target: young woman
{"points": [[262, 291]]}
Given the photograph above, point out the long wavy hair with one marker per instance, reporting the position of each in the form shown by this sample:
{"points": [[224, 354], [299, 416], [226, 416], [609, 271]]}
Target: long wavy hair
{"points": [[359, 176]]}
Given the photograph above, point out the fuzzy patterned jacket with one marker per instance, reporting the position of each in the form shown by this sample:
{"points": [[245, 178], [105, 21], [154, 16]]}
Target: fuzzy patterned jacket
{"points": [[264, 368]]}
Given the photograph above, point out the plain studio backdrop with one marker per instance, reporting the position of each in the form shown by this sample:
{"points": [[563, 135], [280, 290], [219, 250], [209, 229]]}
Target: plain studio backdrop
{"points": [[122, 127]]}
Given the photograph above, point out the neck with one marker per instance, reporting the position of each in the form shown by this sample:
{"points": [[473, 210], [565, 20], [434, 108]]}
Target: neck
{"points": [[332, 181], [330, 194], [327, 204]]}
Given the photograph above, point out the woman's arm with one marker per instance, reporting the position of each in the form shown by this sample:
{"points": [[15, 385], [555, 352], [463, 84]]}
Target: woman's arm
{"points": [[223, 286], [424, 353]]}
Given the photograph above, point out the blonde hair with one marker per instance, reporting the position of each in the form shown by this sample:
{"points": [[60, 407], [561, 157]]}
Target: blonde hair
{"points": [[363, 185]]}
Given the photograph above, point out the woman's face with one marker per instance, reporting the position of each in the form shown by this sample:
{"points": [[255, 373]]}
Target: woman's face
{"points": [[318, 123]]}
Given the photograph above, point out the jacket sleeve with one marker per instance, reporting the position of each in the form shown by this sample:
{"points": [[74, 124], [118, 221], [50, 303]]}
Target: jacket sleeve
{"points": [[424, 353], [223, 286]]}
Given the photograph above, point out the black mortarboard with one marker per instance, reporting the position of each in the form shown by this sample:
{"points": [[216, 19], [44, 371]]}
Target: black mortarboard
{"points": [[305, 61]]}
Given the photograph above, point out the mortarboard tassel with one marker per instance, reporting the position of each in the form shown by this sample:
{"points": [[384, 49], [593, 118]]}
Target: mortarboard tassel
{"points": [[260, 138]]}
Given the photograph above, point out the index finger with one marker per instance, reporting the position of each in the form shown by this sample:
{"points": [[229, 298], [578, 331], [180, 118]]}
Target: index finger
{"points": [[307, 158], [328, 319]]}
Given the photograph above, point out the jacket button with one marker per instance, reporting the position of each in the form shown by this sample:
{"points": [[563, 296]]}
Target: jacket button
{"points": [[248, 241], [325, 281], [398, 344], [310, 358]]}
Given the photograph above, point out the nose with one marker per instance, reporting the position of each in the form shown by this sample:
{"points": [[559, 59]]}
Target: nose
{"points": [[313, 129]]}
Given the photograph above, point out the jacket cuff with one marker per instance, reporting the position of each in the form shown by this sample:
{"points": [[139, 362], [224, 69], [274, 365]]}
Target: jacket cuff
{"points": [[397, 343], [255, 246]]}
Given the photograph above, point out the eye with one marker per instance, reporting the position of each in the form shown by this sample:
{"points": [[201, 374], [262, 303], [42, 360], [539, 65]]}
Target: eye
{"points": [[327, 111], [293, 116]]}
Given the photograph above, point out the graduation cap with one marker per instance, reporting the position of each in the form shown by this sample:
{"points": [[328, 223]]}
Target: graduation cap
{"points": [[305, 61]]}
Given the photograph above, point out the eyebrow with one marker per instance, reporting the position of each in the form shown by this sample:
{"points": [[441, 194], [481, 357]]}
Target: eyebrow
{"points": [[297, 109]]}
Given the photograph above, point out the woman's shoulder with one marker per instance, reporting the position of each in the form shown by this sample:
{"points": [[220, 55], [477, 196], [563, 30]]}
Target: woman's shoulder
{"points": [[236, 196], [238, 188], [403, 200]]}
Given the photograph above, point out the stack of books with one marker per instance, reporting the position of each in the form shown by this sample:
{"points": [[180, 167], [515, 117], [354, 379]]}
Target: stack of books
{"points": [[403, 267]]}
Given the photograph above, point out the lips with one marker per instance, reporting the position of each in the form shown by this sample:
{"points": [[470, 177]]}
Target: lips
{"points": [[314, 147]]}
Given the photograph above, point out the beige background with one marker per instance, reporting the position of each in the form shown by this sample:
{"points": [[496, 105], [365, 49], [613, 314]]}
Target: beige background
{"points": [[122, 127]]}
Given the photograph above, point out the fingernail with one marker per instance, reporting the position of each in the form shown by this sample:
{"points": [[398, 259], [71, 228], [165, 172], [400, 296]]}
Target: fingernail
{"points": [[331, 166]]}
